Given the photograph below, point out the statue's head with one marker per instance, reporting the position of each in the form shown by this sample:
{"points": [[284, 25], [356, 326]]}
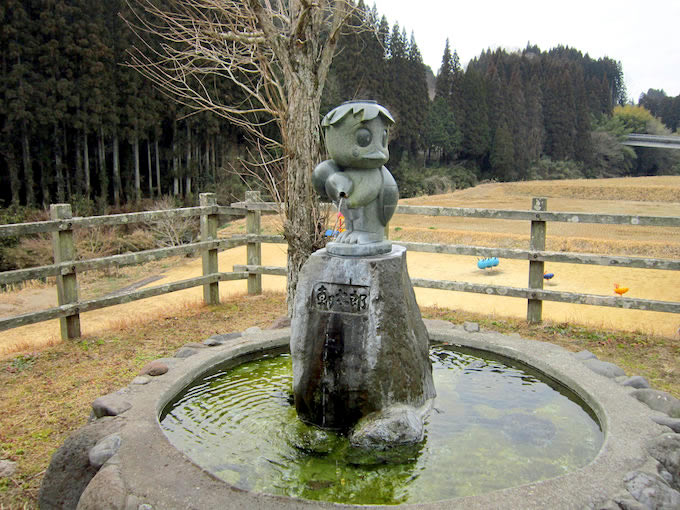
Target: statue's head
{"points": [[357, 133]]}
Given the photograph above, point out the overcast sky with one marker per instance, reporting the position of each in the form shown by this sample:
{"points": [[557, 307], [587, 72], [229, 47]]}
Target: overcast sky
{"points": [[643, 36]]}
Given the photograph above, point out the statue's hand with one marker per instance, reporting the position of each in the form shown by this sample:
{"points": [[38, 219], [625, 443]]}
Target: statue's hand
{"points": [[321, 174], [338, 185]]}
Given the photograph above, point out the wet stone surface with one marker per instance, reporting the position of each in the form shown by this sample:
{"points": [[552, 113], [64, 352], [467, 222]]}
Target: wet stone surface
{"points": [[357, 347]]}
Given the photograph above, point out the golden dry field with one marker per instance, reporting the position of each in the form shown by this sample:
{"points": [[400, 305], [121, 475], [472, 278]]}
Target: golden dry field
{"points": [[657, 196]]}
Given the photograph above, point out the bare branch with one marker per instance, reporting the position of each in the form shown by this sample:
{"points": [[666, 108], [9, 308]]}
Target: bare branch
{"points": [[276, 55], [245, 38]]}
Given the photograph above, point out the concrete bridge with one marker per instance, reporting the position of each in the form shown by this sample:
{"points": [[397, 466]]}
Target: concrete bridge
{"points": [[662, 142]]}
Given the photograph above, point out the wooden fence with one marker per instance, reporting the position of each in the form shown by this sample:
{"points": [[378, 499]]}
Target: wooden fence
{"points": [[66, 266]]}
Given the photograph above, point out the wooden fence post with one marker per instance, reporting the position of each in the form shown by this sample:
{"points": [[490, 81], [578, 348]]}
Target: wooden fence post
{"points": [[67, 284], [211, 291], [254, 249], [536, 267]]}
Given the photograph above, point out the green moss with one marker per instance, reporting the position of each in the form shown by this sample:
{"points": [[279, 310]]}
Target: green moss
{"points": [[496, 425]]}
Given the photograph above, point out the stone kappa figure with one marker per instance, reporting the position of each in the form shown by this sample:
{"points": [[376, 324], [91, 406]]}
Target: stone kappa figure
{"points": [[358, 343], [356, 179]]}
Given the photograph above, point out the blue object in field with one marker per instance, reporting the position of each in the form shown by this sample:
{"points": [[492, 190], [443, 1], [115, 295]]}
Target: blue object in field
{"points": [[331, 233], [548, 276], [487, 263]]}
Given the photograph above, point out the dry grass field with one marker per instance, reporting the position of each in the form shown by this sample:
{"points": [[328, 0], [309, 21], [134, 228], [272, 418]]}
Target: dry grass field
{"points": [[653, 196], [47, 385], [659, 196]]}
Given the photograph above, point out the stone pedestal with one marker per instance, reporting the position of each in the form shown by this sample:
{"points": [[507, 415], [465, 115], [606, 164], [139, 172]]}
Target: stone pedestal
{"points": [[358, 341]]}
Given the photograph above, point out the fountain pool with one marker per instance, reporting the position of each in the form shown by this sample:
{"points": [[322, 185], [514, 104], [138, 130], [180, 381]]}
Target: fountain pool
{"points": [[496, 423], [145, 470]]}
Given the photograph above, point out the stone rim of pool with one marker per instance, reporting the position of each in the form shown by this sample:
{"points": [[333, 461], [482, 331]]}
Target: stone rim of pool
{"points": [[151, 471]]}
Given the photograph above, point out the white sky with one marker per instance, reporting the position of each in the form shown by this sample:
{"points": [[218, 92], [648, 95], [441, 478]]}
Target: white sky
{"points": [[643, 35]]}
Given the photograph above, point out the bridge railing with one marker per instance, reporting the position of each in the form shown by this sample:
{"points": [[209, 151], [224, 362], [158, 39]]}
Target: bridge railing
{"points": [[66, 265], [655, 141]]}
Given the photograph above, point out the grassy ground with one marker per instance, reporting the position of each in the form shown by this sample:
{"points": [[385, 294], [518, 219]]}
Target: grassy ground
{"points": [[47, 393]]}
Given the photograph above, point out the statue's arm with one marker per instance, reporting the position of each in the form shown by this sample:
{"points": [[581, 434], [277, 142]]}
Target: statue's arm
{"points": [[321, 173], [389, 196], [330, 181]]}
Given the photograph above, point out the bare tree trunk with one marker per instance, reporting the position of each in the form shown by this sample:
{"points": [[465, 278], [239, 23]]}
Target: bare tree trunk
{"points": [[213, 151], [29, 179], [117, 183], [103, 175], [14, 181], [79, 177], [302, 227], [148, 162], [175, 174], [158, 167], [86, 163], [67, 172], [44, 184], [58, 164], [187, 187], [291, 45], [135, 157], [175, 163], [207, 174]]}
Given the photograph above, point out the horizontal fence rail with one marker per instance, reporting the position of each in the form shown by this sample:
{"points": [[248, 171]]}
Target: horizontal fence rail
{"points": [[118, 299], [40, 227], [550, 295], [517, 292], [66, 267], [564, 217], [535, 293], [505, 214], [127, 259]]}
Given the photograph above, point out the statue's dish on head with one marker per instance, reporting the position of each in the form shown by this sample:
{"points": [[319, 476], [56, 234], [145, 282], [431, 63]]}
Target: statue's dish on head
{"points": [[357, 134]]}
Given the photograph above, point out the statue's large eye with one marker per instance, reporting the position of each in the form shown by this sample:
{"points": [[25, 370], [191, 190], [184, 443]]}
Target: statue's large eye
{"points": [[364, 137], [384, 138]]}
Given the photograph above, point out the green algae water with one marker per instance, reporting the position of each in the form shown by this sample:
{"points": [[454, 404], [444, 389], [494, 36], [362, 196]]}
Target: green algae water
{"points": [[495, 424]]}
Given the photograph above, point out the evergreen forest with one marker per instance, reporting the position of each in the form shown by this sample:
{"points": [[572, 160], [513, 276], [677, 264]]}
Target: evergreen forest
{"points": [[79, 125]]}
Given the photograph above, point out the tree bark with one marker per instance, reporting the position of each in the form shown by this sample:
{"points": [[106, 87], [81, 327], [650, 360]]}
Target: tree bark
{"points": [[14, 181], [67, 172], [44, 184], [135, 157], [29, 179], [175, 176], [58, 167], [117, 184], [175, 163], [148, 162], [103, 175], [302, 224], [79, 176], [301, 137], [207, 168], [187, 187], [158, 167], [213, 159], [86, 164]]}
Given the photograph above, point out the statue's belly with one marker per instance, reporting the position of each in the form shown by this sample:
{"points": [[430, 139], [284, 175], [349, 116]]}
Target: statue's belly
{"points": [[367, 186]]}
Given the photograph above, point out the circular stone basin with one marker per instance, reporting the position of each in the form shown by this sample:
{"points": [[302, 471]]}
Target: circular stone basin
{"points": [[153, 473], [496, 423]]}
